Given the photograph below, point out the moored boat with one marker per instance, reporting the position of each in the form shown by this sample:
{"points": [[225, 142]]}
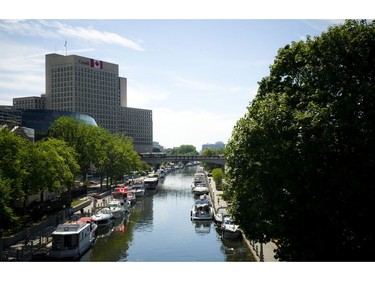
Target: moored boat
{"points": [[151, 183], [130, 196], [72, 239], [120, 193], [200, 183], [202, 210], [230, 229], [103, 217], [116, 208], [220, 212], [200, 189], [138, 187]]}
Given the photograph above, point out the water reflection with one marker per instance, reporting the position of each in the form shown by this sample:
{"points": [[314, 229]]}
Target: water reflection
{"points": [[202, 227], [159, 228], [112, 241]]}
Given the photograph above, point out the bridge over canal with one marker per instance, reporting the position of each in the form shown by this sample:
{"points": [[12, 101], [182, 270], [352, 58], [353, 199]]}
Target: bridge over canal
{"points": [[157, 158]]}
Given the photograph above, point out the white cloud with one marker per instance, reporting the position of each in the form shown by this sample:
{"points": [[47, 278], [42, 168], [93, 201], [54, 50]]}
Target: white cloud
{"points": [[55, 29], [21, 58], [321, 25], [93, 35], [27, 82], [22, 69], [27, 28]]}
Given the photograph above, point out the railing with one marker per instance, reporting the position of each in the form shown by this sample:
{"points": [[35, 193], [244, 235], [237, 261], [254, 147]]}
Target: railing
{"points": [[182, 157], [28, 250]]}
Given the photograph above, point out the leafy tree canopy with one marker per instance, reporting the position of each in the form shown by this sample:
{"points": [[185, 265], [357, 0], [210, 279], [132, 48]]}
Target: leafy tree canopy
{"points": [[211, 152], [300, 162], [185, 149]]}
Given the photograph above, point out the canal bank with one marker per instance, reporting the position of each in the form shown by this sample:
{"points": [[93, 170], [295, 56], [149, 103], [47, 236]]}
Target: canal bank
{"points": [[261, 252], [159, 229]]}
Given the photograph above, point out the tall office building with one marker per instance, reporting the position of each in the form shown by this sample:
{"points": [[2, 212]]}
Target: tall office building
{"points": [[93, 87]]}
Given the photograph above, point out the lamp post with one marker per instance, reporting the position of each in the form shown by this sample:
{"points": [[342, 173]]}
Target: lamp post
{"points": [[261, 256], [1, 244]]}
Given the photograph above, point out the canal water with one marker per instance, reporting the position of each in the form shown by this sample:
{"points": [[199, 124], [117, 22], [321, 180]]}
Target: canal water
{"points": [[159, 229]]}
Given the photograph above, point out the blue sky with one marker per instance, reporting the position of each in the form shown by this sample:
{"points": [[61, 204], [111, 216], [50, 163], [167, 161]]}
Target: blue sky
{"points": [[197, 75], [194, 63]]}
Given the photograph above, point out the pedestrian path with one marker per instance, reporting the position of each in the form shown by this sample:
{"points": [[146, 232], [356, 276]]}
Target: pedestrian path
{"points": [[261, 252]]}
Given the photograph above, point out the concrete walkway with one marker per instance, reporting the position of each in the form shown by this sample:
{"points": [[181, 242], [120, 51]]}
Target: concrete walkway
{"points": [[264, 252]]}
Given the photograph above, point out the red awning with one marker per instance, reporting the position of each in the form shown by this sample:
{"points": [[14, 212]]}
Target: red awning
{"points": [[85, 219], [121, 189]]}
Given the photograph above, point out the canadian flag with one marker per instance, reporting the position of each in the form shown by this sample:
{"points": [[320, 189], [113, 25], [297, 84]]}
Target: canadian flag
{"points": [[96, 63]]}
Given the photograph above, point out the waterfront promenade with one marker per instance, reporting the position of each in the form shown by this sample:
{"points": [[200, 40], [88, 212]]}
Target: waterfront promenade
{"points": [[261, 252]]}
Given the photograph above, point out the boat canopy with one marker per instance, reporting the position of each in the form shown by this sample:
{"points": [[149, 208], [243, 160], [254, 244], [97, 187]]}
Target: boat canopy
{"points": [[202, 202], [85, 219], [121, 189]]}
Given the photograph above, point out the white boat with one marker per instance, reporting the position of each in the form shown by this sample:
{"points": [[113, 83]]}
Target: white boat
{"points": [[130, 196], [103, 217], [220, 212], [151, 182], [200, 189], [200, 178], [199, 185], [138, 187], [120, 193], [116, 208], [72, 239], [229, 229], [139, 192], [202, 210]]}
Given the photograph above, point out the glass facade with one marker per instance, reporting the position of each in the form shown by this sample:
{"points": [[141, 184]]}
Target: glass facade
{"points": [[41, 120]]}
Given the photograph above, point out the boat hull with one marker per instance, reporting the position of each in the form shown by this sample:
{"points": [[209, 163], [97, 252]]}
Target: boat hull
{"points": [[103, 217], [70, 253], [202, 210], [201, 215], [229, 234], [200, 190], [64, 240]]}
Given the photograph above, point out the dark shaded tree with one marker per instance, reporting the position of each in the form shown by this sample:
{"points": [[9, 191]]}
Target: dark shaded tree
{"points": [[301, 160]]}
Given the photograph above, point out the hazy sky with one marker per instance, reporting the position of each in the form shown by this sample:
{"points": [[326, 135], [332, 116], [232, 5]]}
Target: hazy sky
{"points": [[196, 75]]}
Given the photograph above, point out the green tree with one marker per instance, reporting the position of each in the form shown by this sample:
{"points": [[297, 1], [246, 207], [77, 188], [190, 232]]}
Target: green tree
{"points": [[185, 149], [65, 128], [85, 139], [48, 165], [65, 164], [300, 162], [211, 152], [10, 181], [121, 157], [7, 216], [218, 176]]}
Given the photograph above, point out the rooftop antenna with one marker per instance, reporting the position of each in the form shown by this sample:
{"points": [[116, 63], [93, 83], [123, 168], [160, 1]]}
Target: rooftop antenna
{"points": [[66, 46]]}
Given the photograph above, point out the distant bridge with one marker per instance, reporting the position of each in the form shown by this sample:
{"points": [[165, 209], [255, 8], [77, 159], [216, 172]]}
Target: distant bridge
{"points": [[157, 158]]}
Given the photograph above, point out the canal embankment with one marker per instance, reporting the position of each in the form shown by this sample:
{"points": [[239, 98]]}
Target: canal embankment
{"points": [[262, 252]]}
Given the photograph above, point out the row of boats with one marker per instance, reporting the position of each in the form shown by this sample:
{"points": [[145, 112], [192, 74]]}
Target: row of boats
{"points": [[70, 240], [202, 208]]}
